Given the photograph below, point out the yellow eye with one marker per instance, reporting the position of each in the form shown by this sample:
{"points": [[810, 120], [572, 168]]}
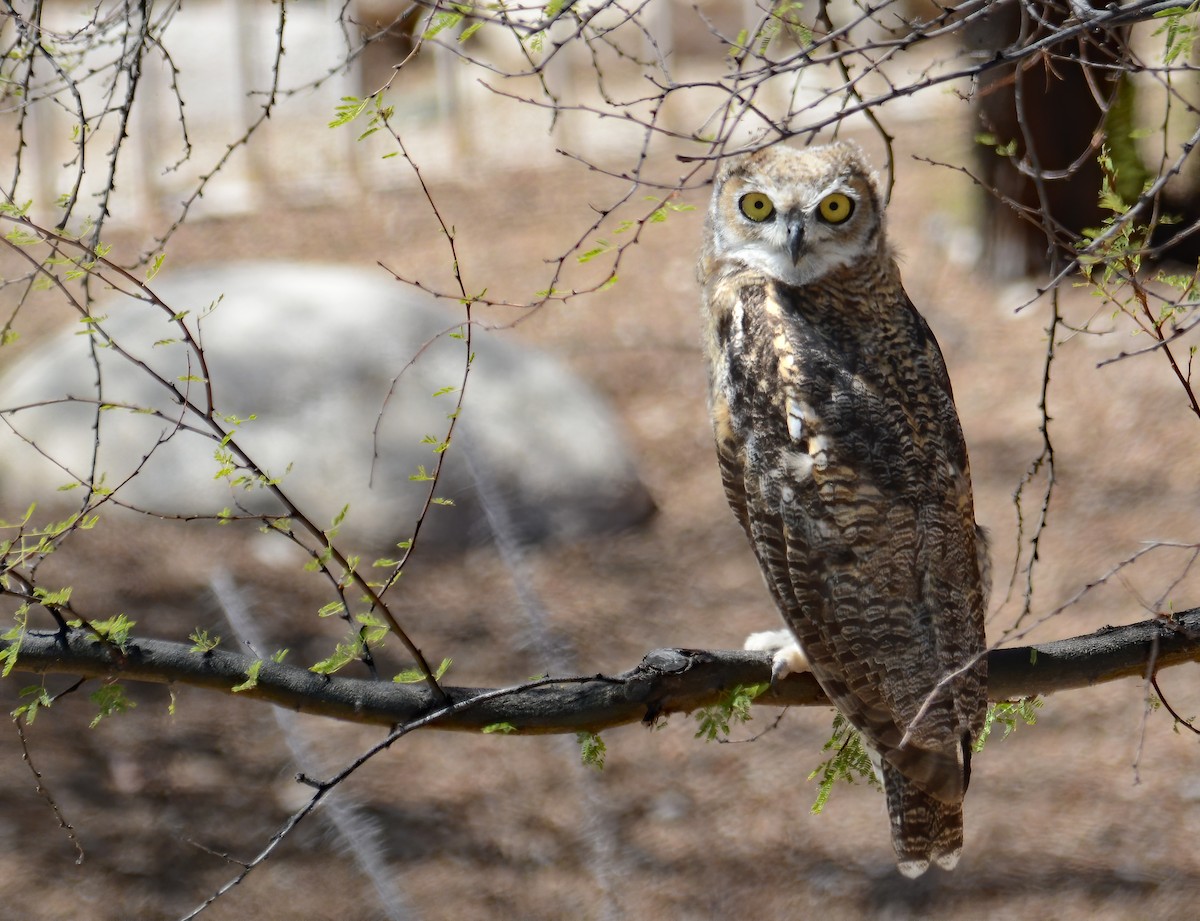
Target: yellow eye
{"points": [[756, 206], [836, 208]]}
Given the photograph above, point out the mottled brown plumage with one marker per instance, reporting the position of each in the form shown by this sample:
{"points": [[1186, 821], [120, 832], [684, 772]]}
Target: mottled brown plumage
{"points": [[843, 459]]}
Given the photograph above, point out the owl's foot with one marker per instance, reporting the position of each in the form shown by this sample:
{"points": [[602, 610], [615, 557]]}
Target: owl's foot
{"points": [[786, 655]]}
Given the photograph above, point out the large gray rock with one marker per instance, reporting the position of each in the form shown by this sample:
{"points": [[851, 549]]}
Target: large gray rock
{"points": [[310, 351]]}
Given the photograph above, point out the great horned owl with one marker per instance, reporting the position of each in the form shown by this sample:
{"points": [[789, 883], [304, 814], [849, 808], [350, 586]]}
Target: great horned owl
{"points": [[843, 459]]}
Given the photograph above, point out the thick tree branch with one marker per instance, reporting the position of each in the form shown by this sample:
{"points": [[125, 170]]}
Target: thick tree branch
{"points": [[665, 681]]}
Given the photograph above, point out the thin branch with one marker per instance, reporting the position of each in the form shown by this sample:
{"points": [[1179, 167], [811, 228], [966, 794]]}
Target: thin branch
{"points": [[46, 794]]}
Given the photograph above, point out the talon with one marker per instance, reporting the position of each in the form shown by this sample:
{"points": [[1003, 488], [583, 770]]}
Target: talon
{"points": [[788, 660], [786, 655], [780, 668]]}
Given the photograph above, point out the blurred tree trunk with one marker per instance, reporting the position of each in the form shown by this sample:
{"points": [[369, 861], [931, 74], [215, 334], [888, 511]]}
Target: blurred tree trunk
{"points": [[1042, 123]]}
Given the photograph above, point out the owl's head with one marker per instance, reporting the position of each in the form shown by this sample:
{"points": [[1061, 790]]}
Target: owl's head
{"points": [[796, 215]]}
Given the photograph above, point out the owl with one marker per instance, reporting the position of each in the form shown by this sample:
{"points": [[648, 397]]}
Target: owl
{"points": [[843, 459]]}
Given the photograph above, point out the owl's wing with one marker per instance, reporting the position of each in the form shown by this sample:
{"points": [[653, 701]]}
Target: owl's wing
{"points": [[850, 477]]}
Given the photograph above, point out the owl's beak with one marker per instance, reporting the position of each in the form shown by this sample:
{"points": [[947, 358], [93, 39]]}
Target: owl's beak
{"points": [[795, 238]]}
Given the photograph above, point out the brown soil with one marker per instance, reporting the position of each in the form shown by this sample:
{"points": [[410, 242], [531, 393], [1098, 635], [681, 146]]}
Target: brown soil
{"points": [[1092, 814]]}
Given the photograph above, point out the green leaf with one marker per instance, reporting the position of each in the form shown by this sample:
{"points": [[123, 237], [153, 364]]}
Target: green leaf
{"points": [[350, 109], [251, 677], [334, 607], [591, 749], [37, 697], [201, 641], [441, 22], [52, 599], [850, 762], [734, 706], [342, 655], [503, 728], [110, 699], [439, 446], [601, 247], [13, 638], [1008, 714], [414, 675], [114, 629]]}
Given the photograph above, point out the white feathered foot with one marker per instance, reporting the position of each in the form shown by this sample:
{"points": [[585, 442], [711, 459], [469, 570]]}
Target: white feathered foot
{"points": [[786, 655]]}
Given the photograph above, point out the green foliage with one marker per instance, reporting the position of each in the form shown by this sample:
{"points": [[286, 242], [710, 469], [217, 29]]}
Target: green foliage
{"points": [[502, 728], [1006, 149], [591, 749], [52, 599], [550, 12], [36, 697], [350, 108], [342, 655], [155, 266], [370, 633], [439, 444], [785, 18], [1130, 175], [733, 707], [657, 216], [202, 642], [31, 543], [1179, 29], [849, 763], [1110, 259], [13, 637], [448, 19], [787, 14], [413, 675], [598, 249], [1112, 251], [251, 677], [110, 699], [114, 630], [1008, 714], [12, 209]]}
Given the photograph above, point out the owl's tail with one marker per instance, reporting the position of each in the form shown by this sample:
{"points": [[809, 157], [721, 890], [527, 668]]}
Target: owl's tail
{"points": [[924, 828]]}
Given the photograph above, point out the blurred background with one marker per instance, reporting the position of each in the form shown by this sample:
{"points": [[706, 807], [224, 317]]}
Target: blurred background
{"points": [[555, 162]]}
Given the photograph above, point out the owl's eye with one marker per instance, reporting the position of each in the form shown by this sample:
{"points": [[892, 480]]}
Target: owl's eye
{"points": [[756, 206], [836, 208]]}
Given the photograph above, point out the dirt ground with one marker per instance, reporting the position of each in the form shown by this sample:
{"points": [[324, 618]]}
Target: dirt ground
{"points": [[1092, 814]]}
